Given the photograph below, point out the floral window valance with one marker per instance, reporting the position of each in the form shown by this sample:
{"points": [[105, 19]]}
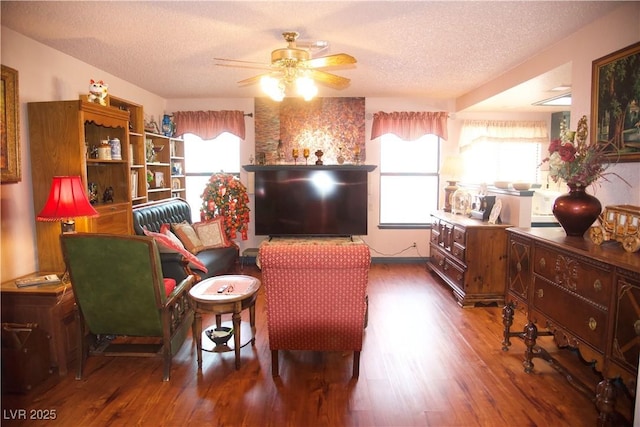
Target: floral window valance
{"points": [[410, 126], [475, 131], [209, 124]]}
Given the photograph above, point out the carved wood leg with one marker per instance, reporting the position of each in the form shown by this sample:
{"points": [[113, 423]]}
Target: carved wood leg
{"points": [[530, 334], [252, 322], [605, 401], [366, 312], [507, 321], [274, 363], [356, 364], [236, 337], [197, 336], [81, 341], [166, 362]]}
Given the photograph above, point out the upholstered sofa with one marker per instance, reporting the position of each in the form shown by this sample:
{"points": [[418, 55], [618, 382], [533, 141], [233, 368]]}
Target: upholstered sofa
{"points": [[151, 216], [316, 296]]}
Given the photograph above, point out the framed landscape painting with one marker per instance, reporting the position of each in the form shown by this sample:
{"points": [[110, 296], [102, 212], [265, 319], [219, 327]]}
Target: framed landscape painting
{"points": [[615, 109], [9, 125]]}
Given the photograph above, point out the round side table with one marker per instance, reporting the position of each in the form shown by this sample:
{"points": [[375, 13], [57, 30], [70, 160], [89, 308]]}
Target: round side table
{"points": [[223, 295]]}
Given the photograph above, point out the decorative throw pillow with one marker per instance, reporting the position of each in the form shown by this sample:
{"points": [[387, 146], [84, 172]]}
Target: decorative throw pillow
{"points": [[187, 236], [166, 230], [166, 245], [169, 285], [211, 233]]}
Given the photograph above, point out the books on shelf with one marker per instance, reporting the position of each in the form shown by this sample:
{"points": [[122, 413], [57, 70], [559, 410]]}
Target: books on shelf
{"points": [[134, 184]]}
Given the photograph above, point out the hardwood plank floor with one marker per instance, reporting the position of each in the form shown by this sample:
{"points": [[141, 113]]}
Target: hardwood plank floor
{"points": [[425, 362]]}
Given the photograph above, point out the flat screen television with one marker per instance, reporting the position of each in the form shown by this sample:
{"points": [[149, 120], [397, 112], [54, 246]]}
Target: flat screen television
{"points": [[311, 202]]}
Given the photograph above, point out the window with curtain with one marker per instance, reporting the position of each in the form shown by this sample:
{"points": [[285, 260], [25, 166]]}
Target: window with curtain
{"points": [[502, 150], [408, 180], [203, 158], [488, 162]]}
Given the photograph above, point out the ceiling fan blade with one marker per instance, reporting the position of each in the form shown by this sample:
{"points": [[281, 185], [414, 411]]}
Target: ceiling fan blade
{"points": [[331, 60], [329, 79], [241, 61], [252, 80], [256, 67], [237, 63]]}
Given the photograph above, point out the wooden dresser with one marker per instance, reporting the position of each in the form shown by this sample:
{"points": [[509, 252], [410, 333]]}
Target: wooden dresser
{"points": [[586, 296], [470, 256]]}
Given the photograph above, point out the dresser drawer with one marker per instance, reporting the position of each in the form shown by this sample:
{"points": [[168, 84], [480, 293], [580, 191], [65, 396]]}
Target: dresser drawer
{"points": [[580, 317], [447, 267], [435, 235], [458, 252], [459, 236], [577, 275], [454, 272], [437, 258]]}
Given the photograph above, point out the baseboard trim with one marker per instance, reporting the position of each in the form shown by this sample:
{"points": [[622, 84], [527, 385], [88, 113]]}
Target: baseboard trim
{"points": [[399, 260]]}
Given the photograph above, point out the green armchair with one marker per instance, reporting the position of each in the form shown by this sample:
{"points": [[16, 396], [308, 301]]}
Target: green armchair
{"points": [[121, 296]]}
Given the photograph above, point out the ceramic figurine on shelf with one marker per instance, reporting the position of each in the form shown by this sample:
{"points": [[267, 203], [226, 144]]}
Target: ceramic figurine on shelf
{"points": [[151, 125], [173, 126], [167, 126], [107, 197], [98, 92], [93, 193]]}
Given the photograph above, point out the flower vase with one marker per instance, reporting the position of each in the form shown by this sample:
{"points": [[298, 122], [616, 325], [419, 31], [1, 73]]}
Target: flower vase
{"points": [[577, 210]]}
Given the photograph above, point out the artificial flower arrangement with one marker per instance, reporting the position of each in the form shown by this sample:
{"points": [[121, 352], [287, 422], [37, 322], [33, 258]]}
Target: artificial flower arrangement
{"points": [[227, 197], [574, 159]]}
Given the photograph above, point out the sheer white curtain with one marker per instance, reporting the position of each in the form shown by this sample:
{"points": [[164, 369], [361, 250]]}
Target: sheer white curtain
{"points": [[502, 150], [474, 131]]}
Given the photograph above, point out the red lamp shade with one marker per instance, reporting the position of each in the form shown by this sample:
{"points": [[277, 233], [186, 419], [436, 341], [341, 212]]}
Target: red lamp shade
{"points": [[67, 200]]}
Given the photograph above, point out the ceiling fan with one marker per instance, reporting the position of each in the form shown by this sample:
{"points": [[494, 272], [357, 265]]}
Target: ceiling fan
{"points": [[294, 64]]}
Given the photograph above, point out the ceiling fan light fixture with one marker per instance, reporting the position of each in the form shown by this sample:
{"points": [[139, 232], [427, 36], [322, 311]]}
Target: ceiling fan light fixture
{"points": [[273, 87], [306, 87], [294, 72]]}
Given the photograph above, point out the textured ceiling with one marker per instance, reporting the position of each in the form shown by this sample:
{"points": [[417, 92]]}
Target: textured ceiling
{"points": [[430, 49]]}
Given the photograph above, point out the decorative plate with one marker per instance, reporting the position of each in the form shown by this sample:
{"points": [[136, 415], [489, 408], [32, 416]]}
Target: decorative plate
{"points": [[495, 212]]}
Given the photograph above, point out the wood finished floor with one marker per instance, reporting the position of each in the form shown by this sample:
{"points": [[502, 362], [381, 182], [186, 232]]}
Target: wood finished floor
{"points": [[425, 362]]}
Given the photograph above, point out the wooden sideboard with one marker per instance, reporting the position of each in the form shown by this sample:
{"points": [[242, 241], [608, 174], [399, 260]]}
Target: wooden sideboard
{"points": [[586, 296], [52, 308], [470, 256]]}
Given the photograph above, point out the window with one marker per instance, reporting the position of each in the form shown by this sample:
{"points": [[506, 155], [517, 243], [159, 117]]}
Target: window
{"points": [[502, 150], [203, 159], [488, 162], [408, 180]]}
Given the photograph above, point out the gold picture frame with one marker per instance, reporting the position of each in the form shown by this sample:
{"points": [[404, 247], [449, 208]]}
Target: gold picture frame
{"points": [[9, 132], [615, 103]]}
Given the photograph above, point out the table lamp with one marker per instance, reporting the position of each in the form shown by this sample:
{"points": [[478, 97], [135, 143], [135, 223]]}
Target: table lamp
{"points": [[451, 168], [67, 200]]}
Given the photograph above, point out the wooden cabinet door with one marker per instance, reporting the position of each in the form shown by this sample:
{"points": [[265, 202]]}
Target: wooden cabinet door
{"points": [[626, 339], [519, 268]]}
